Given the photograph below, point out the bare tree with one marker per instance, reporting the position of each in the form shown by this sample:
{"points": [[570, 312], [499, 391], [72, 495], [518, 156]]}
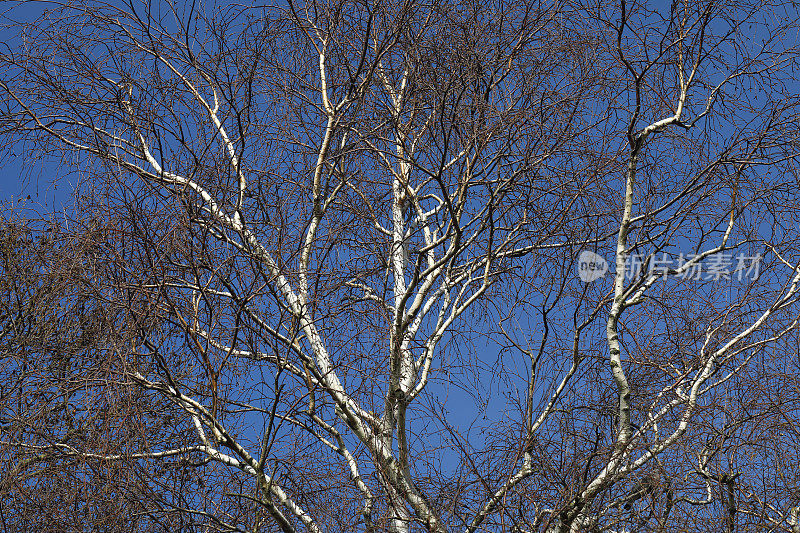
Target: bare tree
{"points": [[339, 266], [60, 398]]}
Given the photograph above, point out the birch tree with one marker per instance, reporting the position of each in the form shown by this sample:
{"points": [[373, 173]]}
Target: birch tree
{"points": [[405, 266]]}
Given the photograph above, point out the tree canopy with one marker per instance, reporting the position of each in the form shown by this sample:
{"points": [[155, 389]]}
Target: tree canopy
{"points": [[437, 266]]}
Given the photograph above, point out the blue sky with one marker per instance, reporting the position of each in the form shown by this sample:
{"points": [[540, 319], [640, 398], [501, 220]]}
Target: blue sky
{"points": [[48, 187], [20, 176]]}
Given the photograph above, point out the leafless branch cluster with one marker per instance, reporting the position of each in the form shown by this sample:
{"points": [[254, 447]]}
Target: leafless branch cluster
{"points": [[322, 271]]}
